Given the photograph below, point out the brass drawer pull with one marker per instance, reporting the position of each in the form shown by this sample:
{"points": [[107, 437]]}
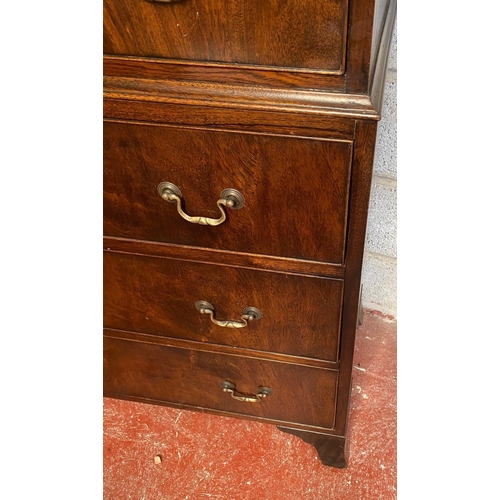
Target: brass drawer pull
{"points": [[247, 398], [249, 314], [229, 198]]}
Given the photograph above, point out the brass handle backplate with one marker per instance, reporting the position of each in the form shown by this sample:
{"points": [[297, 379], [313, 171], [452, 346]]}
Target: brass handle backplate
{"points": [[230, 198], [262, 393], [249, 314]]}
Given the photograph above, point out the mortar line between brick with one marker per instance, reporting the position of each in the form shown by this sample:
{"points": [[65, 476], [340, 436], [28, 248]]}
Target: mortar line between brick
{"points": [[379, 256], [385, 181]]}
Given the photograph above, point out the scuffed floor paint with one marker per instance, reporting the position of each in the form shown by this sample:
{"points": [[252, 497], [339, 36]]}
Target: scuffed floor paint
{"points": [[210, 457]]}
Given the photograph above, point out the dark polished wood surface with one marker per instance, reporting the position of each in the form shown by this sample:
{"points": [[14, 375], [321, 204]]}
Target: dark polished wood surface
{"points": [[279, 102], [358, 210], [294, 34], [328, 47], [332, 450], [219, 73], [272, 103], [282, 179], [226, 116], [223, 258], [157, 296], [146, 338], [299, 393]]}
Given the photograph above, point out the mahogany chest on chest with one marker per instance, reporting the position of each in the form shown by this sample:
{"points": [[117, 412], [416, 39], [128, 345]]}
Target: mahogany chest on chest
{"points": [[238, 147]]}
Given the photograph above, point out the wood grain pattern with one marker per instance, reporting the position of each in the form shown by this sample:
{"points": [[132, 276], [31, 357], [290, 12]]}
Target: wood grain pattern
{"points": [[278, 100], [240, 96], [287, 183], [291, 34], [168, 69], [243, 352], [223, 258], [211, 117], [360, 196], [157, 296], [359, 45], [138, 51], [166, 374]]}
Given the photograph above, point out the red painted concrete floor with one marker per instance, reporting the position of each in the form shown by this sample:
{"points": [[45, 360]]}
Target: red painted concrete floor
{"points": [[210, 457]]}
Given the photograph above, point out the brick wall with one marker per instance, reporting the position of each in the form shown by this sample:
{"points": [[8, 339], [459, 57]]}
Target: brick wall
{"points": [[379, 267]]}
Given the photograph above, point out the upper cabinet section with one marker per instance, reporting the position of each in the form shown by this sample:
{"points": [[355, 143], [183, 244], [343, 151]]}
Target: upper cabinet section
{"points": [[308, 36], [337, 47]]}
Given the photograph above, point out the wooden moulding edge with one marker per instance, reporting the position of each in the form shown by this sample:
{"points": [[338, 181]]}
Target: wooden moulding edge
{"points": [[240, 97], [240, 352], [224, 258]]}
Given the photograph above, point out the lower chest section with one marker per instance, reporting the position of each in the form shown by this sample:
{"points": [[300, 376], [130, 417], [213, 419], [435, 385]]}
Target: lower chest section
{"points": [[267, 390], [232, 265]]}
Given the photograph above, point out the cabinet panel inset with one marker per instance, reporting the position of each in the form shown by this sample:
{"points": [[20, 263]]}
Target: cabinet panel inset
{"points": [[158, 297], [295, 190], [271, 33], [171, 375]]}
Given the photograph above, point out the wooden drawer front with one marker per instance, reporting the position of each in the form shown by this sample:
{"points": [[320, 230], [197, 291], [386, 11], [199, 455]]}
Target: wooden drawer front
{"points": [[297, 35], [166, 374], [301, 315], [295, 190]]}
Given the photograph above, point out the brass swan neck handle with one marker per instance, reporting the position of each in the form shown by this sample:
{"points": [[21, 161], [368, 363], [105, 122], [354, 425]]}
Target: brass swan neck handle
{"points": [[229, 198], [249, 314], [262, 393]]}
